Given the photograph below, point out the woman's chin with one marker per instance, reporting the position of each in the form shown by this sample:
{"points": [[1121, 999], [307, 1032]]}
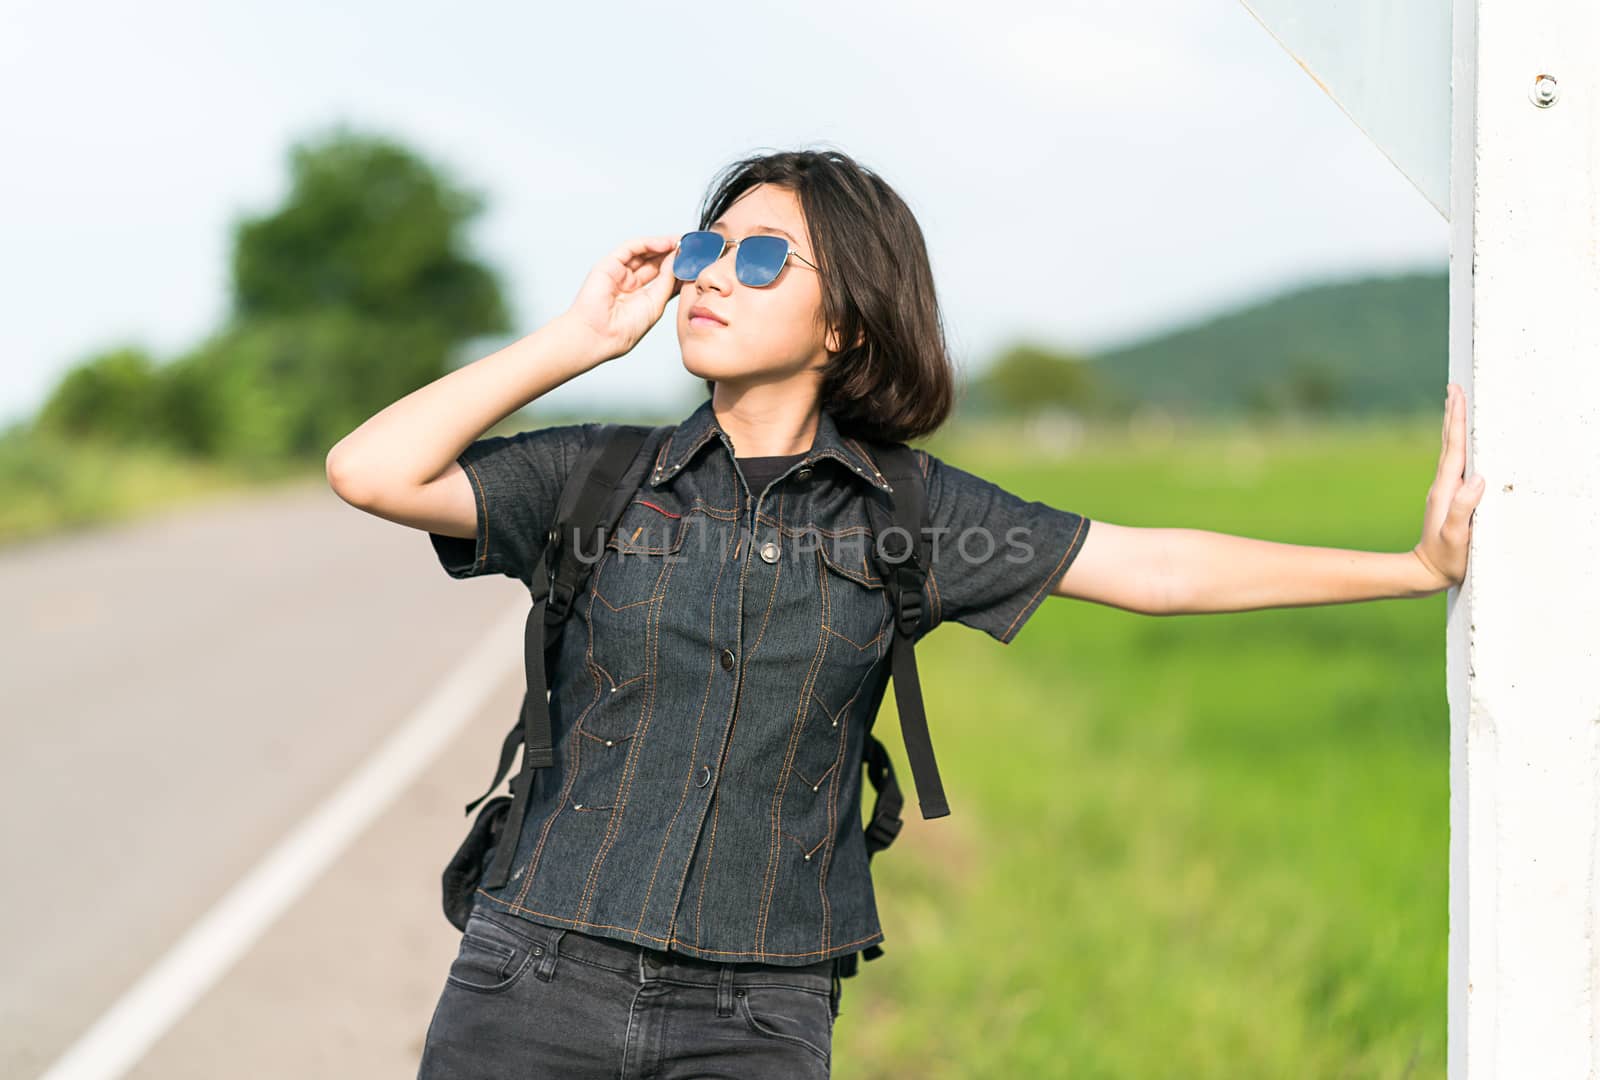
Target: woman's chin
{"points": [[702, 367]]}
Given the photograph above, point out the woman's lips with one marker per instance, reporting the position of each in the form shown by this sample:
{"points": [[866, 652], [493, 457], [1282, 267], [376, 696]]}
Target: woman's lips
{"points": [[701, 320]]}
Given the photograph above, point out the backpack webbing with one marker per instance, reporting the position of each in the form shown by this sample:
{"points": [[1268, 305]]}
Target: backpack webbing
{"points": [[599, 488]]}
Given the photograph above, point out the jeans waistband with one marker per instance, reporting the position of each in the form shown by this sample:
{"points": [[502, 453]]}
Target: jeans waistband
{"points": [[649, 962]]}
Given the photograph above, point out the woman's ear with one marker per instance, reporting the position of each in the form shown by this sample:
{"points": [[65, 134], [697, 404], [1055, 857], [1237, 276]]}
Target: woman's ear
{"points": [[832, 341]]}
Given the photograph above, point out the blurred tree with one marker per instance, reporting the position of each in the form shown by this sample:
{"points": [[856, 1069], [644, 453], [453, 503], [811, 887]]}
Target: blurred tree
{"points": [[1311, 385], [1026, 379], [293, 385], [349, 296], [111, 397], [371, 228], [1314, 384]]}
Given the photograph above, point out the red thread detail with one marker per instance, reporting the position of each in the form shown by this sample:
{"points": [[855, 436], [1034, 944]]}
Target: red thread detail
{"points": [[653, 506]]}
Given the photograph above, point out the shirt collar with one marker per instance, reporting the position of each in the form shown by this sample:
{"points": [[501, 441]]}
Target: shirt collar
{"points": [[701, 427]]}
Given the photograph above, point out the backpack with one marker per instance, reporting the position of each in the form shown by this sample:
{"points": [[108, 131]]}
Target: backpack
{"points": [[602, 483]]}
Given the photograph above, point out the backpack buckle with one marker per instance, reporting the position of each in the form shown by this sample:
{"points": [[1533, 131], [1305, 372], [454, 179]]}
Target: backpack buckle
{"points": [[908, 602], [558, 602], [882, 831]]}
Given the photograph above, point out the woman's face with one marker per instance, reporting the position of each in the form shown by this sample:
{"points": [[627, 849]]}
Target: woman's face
{"points": [[769, 332]]}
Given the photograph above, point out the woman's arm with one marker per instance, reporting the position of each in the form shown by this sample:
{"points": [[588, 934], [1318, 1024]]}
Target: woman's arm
{"points": [[1193, 571], [400, 464], [1159, 571], [411, 442]]}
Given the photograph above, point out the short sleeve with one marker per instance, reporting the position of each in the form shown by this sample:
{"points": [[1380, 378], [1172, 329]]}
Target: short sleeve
{"points": [[516, 483], [994, 556]]}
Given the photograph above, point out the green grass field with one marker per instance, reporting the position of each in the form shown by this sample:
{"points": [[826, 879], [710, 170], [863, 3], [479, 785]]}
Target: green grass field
{"points": [[1195, 846], [1190, 846], [50, 486]]}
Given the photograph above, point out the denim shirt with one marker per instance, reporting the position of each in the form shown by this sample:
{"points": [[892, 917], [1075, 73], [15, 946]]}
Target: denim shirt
{"points": [[711, 689]]}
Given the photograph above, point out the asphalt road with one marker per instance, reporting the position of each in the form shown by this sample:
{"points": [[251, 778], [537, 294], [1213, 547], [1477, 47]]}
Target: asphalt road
{"points": [[180, 694]]}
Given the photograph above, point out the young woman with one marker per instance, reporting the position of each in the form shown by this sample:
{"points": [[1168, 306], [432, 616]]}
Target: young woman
{"points": [[691, 869]]}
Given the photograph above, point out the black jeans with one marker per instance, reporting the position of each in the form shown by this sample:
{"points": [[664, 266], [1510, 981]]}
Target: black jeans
{"points": [[524, 1000]]}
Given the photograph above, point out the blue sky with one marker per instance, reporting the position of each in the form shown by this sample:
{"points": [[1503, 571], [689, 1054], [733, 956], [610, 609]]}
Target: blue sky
{"points": [[1083, 173]]}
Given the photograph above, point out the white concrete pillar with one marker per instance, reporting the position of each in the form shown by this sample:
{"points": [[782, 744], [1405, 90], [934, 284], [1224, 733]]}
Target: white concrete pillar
{"points": [[1523, 633]]}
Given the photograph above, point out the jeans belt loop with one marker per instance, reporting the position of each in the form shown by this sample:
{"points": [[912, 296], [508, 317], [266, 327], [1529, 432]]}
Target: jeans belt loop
{"points": [[725, 990]]}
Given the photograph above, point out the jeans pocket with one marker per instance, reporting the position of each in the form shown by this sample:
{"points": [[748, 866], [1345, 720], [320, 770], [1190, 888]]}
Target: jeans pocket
{"points": [[791, 1014], [492, 957]]}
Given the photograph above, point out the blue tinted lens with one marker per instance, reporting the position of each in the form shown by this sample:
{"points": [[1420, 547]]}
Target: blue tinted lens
{"points": [[760, 258], [696, 251]]}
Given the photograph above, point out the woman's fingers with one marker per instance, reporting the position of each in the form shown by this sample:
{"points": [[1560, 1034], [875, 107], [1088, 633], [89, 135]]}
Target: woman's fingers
{"points": [[655, 248], [1453, 452], [1458, 434], [642, 251]]}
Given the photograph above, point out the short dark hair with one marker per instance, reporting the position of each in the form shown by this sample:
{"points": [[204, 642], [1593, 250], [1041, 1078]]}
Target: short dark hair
{"points": [[899, 383]]}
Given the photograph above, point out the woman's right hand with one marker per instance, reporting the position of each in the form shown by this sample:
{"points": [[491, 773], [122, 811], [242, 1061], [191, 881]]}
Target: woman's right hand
{"points": [[626, 292]]}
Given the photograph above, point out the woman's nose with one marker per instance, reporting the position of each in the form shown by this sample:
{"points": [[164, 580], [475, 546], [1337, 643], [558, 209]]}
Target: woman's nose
{"points": [[720, 274]]}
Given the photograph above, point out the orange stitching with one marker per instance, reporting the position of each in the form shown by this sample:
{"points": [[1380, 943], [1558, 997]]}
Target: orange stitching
{"points": [[829, 713], [814, 783], [766, 616], [1055, 575], [613, 543], [722, 758], [833, 802], [769, 884], [612, 679], [802, 843], [705, 870], [572, 769], [727, 741], [609, 740], [631, 766], [595, 588], [864, 645], [619, 800], [809, 527], [723, 512], [876, 935], [866, 458], [860, 577], [683, 797]]}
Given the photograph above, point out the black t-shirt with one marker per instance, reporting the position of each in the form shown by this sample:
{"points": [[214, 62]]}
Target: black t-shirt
{"points": [[761, 471]]}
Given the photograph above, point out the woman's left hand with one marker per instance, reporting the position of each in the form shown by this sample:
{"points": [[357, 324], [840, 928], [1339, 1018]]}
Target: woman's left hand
{"points": [[1447, 521]]}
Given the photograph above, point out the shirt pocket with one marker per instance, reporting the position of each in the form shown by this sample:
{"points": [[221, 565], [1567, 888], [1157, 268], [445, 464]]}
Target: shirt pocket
{"points": [[854, 626], [855, 605], [626, 589]]}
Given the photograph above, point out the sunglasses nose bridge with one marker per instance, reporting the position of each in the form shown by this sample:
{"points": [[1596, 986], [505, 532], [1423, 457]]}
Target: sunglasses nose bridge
{"points": [[728, 245]]}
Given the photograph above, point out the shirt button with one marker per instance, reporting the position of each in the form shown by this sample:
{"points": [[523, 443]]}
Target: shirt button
{"points": [[769, 551], [705, 776], [727, 659], [803, 473]]}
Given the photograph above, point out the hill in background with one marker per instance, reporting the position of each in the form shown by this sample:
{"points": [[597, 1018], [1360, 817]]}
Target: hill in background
{"points": [[1378, 344]]}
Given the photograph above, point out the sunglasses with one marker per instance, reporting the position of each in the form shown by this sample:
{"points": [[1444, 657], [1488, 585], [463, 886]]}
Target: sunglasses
{"points": [[756, 262]]}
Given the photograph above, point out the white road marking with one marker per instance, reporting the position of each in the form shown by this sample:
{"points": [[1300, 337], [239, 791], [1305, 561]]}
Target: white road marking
{"points": [[126, 1031]]}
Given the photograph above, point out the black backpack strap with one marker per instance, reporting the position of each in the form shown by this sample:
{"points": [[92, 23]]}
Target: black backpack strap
{"points": [[601, 485], [582, 473], [881, 831], [902, 559], [903, 572]]}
